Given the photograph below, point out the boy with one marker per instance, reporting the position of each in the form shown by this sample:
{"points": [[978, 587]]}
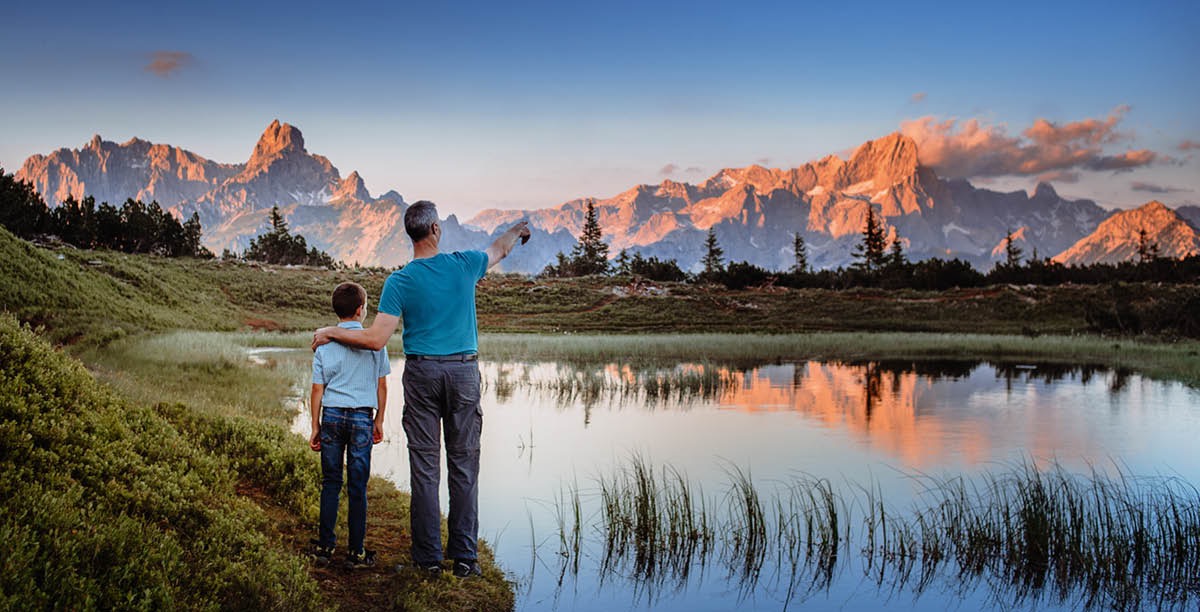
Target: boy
{"points": [[347, 385]]}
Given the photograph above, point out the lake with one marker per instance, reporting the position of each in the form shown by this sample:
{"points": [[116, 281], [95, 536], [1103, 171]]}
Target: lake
{"points": [[553, 432]]}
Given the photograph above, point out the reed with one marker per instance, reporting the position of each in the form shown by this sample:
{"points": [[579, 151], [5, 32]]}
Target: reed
{"points": [[1090, 539]]}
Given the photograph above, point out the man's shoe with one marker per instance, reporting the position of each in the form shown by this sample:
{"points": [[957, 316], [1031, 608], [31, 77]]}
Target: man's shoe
{"points": [[321, 555], [467, 568], [362, 559]]}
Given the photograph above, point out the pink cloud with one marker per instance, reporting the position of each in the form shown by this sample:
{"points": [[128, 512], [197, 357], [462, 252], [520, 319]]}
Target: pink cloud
{"points": [[970, 148], [1189, 145], [668, 170], [167, 63], [918, 97]]}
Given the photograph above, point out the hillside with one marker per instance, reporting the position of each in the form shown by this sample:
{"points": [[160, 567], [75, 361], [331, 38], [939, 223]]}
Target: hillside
{"points": [[165, 475], [107, 505]]}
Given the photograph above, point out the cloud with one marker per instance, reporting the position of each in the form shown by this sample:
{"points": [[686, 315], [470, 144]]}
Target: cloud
{"points": [[167, 63], [694, 170], [1152, 188], [918, 97], [1189, 145], [668, 170], [1059, 176], [763, 161], [970, 148]]}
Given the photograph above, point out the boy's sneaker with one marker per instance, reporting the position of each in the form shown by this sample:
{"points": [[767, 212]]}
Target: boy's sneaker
{"points": [[467, 568], [361, 559], [321, 555]]}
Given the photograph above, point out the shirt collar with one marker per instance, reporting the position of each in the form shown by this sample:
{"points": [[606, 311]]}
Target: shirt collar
{"points": [[350, 325]]}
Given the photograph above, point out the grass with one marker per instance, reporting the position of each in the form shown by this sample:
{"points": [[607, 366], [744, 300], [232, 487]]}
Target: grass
{"points": [[1092, 540], [240, 412], [107, 504]]}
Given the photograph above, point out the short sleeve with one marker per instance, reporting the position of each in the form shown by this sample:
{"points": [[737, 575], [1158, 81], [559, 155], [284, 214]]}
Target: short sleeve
{"points": [[383, 366], [479, 259], [318, 372], [390, 300]]}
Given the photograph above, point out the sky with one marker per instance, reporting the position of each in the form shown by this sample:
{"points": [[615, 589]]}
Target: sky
{"points": [[528, 105]]}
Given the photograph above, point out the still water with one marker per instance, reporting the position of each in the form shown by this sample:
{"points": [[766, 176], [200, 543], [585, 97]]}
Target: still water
{"points": [[551, 428]]}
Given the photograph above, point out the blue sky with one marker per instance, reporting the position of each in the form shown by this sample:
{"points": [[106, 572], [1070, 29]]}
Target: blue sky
{"points": [[529, 105]]}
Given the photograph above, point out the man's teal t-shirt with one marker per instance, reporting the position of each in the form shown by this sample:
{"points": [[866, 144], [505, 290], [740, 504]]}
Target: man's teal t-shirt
{"points": [[435, 298]]}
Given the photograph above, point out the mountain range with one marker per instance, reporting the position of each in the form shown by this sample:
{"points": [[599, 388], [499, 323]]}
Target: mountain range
{"points": [[754, 211]]}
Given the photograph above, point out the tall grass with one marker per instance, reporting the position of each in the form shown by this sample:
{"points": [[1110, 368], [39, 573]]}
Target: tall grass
{"points": [[1093, 540]]}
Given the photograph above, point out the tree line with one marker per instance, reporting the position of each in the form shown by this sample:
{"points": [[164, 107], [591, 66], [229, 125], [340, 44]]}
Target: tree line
{"points": [[137, 227], [877, 263]]}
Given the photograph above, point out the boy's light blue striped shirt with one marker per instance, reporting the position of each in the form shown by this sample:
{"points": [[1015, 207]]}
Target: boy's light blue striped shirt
{"points": [[350, 375]]}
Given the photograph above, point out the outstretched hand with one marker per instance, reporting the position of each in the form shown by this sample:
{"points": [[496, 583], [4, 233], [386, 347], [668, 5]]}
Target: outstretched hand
{"points": [[523, 232]]}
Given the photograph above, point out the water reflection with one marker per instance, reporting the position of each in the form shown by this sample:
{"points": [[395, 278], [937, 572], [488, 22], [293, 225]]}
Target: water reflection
{"points": [[846, 424]]}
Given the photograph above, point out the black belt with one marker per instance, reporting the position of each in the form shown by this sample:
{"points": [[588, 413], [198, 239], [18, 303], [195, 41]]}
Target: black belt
{"points": [[461, 357]]}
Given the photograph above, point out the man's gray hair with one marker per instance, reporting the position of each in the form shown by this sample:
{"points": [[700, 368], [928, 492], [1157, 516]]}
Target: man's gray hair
{"points": [[419, 220]]}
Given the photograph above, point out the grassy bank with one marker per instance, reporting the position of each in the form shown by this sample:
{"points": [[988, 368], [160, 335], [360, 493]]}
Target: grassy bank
{"points": [[167, 476], [107, 504], [1163, 360], [95, 297], [234, 409]]}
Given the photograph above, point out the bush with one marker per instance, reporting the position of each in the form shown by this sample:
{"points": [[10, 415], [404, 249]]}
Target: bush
{"points": [[105, 505]]}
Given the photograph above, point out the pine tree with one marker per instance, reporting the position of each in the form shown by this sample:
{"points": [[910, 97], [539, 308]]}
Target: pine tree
{"points": [[714, 263], [896, 258], [801, 253], [1012, 252], [621, 263], [590, 255], [870, 251], [1146, 252]]}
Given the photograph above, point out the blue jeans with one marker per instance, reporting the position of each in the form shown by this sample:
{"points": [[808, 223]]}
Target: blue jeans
{"points": [[437, 396], [348, 432]]}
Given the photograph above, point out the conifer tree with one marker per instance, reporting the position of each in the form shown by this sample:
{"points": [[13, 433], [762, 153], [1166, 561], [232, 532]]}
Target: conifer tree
{"points": [[714, 264], [870, 252], [800, 251], [590, 255], [1012, 252]]}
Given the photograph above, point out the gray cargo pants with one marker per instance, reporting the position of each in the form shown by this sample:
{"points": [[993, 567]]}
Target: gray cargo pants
{"points": [[437, 393]]}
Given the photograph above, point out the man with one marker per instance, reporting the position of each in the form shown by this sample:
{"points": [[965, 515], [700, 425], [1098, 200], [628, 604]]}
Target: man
{"points": [[435, 295]]}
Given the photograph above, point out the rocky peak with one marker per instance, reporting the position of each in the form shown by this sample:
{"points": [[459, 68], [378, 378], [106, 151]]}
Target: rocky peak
{"points": [[885, 161], [277, 140], [1117, 237], [352, 187], [1044, 191], [94, 143]]}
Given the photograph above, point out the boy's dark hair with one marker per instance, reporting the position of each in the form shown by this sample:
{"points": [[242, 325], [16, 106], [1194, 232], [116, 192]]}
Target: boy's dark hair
{"points": [[347, 298]]}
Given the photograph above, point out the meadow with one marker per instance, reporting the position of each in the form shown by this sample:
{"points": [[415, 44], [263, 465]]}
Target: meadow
{"points": [[137, 434]]}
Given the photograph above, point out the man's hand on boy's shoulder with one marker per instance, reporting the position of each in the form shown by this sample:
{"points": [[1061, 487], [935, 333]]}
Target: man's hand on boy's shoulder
{"points": [[321, 336]]}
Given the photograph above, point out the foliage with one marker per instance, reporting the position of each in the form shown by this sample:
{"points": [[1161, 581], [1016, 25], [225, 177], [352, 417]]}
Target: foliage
{"points": [[655, 269], [870, 252], [136, 227], [800, 252], [107, 505], [713, 262], [280, 247], [590, 255]]}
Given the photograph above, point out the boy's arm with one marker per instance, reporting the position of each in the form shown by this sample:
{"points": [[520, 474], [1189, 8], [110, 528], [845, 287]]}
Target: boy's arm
{"points": [[374, 337], [380, 408], [318, 392]]}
